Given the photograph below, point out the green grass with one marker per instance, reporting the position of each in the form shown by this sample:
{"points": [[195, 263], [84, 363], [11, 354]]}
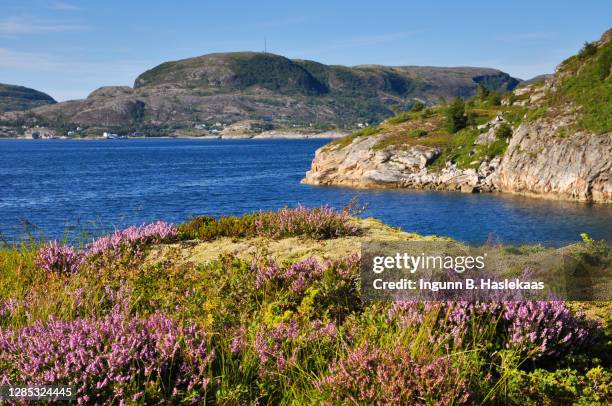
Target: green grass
{"points": [[409, 129], [417, 132], [345, 141], [589, 85], [403, 117]]}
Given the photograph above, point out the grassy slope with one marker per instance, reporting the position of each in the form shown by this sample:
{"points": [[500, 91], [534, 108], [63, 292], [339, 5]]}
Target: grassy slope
{"points": [[426, 128], [586, 82]]}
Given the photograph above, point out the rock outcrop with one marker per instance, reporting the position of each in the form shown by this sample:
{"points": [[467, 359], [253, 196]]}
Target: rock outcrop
{"points": [[560, 148], [540, 163], [359, 165], [536, 163]]}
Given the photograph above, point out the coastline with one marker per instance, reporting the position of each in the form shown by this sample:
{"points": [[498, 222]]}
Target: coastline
{"points": [[267, 135]]}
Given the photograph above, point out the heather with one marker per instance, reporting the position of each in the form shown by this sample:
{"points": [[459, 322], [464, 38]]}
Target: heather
{"points": [[115, 357], [134, 322], [320, 222]]}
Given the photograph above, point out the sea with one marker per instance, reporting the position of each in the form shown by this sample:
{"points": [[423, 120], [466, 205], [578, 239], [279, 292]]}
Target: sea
{"points": [[75, 189]]}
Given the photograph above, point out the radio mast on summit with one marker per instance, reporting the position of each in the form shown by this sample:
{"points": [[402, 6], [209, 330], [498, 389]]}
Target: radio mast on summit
{"points": [[265, 44]]}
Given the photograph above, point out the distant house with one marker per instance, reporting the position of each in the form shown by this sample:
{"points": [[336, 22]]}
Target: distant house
{"points": [[109, 136], [40, 133]]}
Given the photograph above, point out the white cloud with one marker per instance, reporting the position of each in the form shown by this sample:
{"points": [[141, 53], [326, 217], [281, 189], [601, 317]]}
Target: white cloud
{"points": [[23, 26]]}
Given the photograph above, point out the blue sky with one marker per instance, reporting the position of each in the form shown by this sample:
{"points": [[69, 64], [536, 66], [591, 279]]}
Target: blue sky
{"points": [[70, 48]]}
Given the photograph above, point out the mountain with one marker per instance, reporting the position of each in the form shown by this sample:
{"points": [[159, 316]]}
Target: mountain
{"points": [[535, 79], [552, 139], [232, 87], [21, 98]]}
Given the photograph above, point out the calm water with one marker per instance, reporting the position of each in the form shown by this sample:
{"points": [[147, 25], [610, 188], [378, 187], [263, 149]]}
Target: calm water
{"points": [[93, 186]]}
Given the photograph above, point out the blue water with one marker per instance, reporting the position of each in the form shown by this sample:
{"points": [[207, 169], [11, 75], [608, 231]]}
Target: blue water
{"points": [[57, 186]]}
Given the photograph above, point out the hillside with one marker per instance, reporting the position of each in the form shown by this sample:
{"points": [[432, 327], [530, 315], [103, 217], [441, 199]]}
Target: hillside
{"points": [[13, 98], [551, 139], [233, 87]]}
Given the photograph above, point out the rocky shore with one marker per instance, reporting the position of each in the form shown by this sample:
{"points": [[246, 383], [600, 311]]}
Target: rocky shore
{"points": [[359, 166], [537, 163], [548, 151]]}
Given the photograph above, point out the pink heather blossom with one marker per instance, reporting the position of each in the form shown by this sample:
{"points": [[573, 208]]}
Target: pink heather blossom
{"points": [[268, 271], [540, 328], [132, 237], [371, 375], [110, 358], [319, 222], [238, 342], [58, 258], [298, 276]]}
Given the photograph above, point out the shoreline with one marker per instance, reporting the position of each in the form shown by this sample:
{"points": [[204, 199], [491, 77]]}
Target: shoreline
{"points": [[269, 135]]}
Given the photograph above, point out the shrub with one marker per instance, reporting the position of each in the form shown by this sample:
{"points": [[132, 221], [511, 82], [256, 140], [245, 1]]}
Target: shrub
{"points": [[494, 99], [417, 132], [427, 113], [562, 386], [537, 329], [132, 237], [54, 257], [455, 116], [588, 49], [496, 148], [481, 92], [471, 118], [320, 223], [112, 358], [369, 374], [504, 131], [208, 228], [544, 328], [417, 106]]}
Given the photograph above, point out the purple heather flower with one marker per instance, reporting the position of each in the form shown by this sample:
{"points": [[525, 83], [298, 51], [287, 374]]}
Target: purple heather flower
{"points": [[58, 258]]}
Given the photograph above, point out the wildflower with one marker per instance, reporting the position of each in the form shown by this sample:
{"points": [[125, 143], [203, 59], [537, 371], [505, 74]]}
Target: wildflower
{"points": [[58, 258], [132, 237], [109, 358], [371, 375]]}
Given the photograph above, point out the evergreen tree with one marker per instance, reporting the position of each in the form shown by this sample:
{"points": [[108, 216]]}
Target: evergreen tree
{"points": [[482, 92], [417, 106], [455, 116]]}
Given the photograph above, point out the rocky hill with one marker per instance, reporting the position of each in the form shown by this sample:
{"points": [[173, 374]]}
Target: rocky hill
{"points": [[232, 87], [14, 98], [549, 139]]}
